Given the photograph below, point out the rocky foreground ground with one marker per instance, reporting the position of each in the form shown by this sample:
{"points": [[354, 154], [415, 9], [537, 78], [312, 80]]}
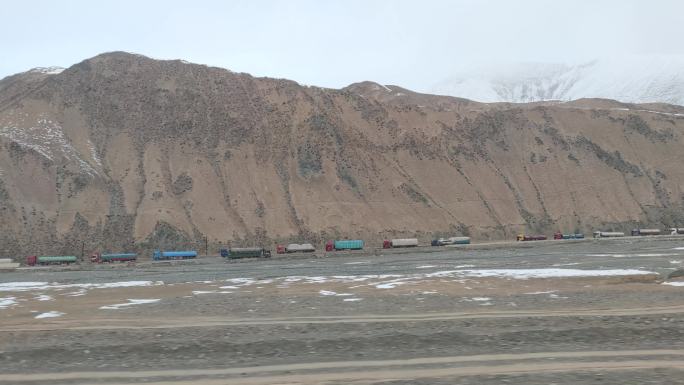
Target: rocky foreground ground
{"points": [[590, 312]]}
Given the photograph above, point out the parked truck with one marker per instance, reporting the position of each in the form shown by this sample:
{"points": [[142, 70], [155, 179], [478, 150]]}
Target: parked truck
{"points": [[399, 242], [644, 232], [451, 241], [109, 258], [523, 237], [245, 252], [171, 255], [295, 248], [608, 234], [346, 244], [6, 264], [559, 235], [33, 260]]}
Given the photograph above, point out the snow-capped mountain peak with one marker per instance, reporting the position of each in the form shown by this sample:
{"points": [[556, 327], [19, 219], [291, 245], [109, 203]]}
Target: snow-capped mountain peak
{"points": [[635, 79]]}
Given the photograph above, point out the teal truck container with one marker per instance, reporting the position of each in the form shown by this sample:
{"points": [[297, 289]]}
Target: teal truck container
{"points": [[346, 244]]}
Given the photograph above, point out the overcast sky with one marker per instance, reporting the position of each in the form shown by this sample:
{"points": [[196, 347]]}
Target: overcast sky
{"points": [[334, 43]]}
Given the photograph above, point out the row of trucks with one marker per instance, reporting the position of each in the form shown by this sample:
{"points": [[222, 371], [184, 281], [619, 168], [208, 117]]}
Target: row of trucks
{"points": [[336, 245], [240, 252], [600, 234], [43, 260], [394, 243], [358, 244], [639, 232], [557, 235], [157, 255]]}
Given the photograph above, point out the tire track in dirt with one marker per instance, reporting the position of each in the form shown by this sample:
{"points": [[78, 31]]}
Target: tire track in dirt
{"points": [[194, 322], [487, 364]]}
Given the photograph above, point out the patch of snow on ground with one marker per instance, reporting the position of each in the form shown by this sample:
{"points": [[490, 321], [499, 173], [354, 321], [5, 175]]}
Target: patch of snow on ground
{"points": [[6, 302], [379, 281], [50, 314], [393, 283], [131, 302], [425, 266], [675, 262], [389, 285], [327, 293], [44, 297], [357, 263], [681, 283], [547, 273], [631, 255], [29, 286], [678, 248], [20, 286], [541, 292], [241, 281], [76, 293], [352, 299], [121, 284]]}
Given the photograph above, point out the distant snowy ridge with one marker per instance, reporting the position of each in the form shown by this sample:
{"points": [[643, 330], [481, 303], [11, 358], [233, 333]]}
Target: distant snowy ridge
{"points": [[632, 79]]}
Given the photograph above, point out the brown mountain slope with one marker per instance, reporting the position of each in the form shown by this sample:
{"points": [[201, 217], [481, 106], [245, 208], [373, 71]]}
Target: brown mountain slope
{"points": [[121, 151]]}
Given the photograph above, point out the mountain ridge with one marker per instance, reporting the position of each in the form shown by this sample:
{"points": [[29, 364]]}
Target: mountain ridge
{"points": [[125, 152]]}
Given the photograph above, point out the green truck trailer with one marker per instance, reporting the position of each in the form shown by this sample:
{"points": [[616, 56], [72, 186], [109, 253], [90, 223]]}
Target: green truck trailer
{"points": [[51, 260], [245, 252]]}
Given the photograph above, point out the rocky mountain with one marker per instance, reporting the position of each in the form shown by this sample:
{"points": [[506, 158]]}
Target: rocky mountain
{"points": [[123, 152], [633, 79]]}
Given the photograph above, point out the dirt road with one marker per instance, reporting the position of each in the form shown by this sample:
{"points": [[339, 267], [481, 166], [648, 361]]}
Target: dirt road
{"points": [[390, 369], [199, 322]]}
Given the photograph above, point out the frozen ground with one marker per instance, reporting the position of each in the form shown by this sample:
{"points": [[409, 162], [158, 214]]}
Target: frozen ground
{"points": [[566, 312]]}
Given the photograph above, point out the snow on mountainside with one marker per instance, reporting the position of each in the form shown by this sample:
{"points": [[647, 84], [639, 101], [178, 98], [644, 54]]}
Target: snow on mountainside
{"points": [[634, 79], [54, 70]]}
